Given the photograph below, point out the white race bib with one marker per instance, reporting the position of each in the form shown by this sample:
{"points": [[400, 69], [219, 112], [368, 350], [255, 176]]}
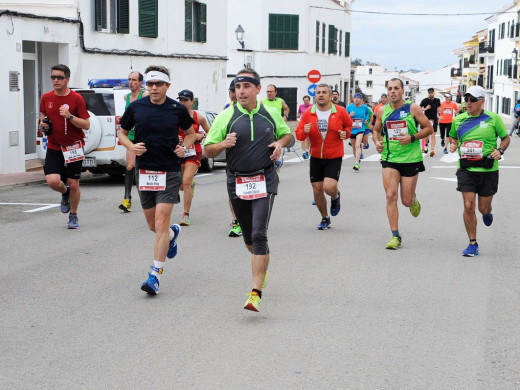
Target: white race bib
{"points": [[191, 151], [447, 111], [357, 124], [471, 150], [152, 180], [73, 152], [251, 187], [395, 128]]}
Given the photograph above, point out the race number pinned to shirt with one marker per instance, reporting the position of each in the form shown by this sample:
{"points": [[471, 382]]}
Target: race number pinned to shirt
{"points": [[190, 151], [152, 180], [251, 187], [73, 152], [447, 111], [357, 124], [472, 150], [395, 128]]}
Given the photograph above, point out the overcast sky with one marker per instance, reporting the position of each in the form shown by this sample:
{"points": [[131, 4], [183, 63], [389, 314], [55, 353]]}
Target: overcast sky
{"points": [[416, 42]]}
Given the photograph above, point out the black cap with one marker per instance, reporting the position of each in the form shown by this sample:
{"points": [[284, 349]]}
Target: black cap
{"points": [[431, 90], [384, 95], [186, 94], [232, 85]]}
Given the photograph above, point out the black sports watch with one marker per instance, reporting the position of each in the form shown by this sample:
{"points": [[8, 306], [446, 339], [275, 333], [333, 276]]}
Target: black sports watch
{"points": [[501, 150], [412, 138], [70, 117]]}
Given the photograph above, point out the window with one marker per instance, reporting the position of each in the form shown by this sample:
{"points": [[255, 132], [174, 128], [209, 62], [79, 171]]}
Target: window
{"points": [[506, 106], [323, 38], [333, 39], [370, 83], [111, 16], [498, 103], [357, 83], [194, 21], [148, 18], [347, 44], [386, 83], [317, 37], [283, 32], [369, 70]]}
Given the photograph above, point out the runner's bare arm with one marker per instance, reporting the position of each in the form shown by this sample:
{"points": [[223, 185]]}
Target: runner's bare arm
{"points": [[190, 138], [426, 127]]}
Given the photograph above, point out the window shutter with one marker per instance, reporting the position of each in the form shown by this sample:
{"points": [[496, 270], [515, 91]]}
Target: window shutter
{"points": [[331, 38], [347, 44], [283, 31], [340, 41], [123, 17], [100, 14], [148, 18], [201, 26], [323, 30], [273, 29], [317, 36], [188, 21]]}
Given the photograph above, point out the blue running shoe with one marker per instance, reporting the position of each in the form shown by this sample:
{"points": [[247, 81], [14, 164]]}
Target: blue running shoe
{"points": [[172, 249], [366, 146], [488, 219], [335, 205], [65, 204], [324, 224], [314, 203], [73, 222], [151, 285], [361, 157], [471, 250]]}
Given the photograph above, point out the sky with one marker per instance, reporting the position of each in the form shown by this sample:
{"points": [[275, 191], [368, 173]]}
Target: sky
{"points": [[416, 42]]}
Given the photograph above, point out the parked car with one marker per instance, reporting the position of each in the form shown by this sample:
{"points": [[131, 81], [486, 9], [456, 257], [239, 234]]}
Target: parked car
{"points": [[207, 164], [103, 151]]}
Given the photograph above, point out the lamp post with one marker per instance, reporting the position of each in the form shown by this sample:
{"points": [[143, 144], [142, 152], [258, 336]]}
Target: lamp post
{"points": [[239, 33]]}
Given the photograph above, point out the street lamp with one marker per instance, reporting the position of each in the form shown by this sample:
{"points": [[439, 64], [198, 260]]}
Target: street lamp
{"points": [[514, 56], [239, 33]]}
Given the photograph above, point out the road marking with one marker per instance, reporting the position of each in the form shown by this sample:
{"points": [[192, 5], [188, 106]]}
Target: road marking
{"points": [[45, 206], [444, 166], [204, 174], [450, 158], [374, 157], [50, 206], [454, 179]]}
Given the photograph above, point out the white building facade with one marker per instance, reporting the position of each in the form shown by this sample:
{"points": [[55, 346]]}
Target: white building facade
{"points": [[103, 39], [284, 40], [372, 80]]}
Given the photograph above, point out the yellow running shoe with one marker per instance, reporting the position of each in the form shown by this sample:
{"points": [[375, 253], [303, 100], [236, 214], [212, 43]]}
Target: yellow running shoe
{"points": [[253, 302], [394, 243], [126, 205], [415, 208], [266, 279]]}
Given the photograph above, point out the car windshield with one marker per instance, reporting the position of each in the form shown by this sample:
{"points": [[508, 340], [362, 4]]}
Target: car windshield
{"points": [[100, 104]]}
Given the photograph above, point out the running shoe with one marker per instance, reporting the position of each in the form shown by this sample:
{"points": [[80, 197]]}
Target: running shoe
{"points": [[253, 302], [236, 230], [471, 250], [335, 205], [266, 279], [314, 203], [193, 184], [442, 142], [65, 204], [488, 219], [356, 167], [425, 149], [432, 153], [415, 208], [185, 220], [73, 222], [361, 157], [305, 155], [126, 205], [172, 248], [151, 285], [394, 243], [445, 150], [366, 146], [324, 224]]}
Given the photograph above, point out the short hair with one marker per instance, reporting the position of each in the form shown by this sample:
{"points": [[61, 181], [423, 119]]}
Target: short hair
{"points": [[274, 86], [64, 68], [397, 79], [139, 75], [324, 85], [431, 90], [250, 71], [335, 90], [157, 68], [307, 96]]}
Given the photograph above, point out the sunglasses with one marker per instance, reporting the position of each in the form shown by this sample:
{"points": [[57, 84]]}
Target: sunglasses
{"points": [[156, 83], [58, 77], [471, 99]]}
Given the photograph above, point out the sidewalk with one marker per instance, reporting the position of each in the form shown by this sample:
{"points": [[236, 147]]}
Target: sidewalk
{"points": [[34, 174]]}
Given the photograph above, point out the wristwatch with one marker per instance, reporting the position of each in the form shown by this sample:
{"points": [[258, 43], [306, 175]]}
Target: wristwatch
{"points": [[501, 150], [412, 138], [70, 117]]}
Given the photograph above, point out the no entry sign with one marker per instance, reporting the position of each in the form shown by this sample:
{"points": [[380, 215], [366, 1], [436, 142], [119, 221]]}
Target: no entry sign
{"points": [[314, 76]]}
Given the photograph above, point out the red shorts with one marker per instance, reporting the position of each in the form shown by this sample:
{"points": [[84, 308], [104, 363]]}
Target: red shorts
{"points": [[193, 159]]}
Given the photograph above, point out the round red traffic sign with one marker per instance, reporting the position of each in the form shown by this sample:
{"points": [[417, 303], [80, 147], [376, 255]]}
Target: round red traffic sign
{"points": [[314, 76]]}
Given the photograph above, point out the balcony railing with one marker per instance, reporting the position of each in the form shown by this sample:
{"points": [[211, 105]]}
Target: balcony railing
{"points": [[486, 47]]}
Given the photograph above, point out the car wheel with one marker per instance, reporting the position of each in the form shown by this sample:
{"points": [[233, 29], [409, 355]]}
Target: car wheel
{"points": [[93, 134], [207, 164]]}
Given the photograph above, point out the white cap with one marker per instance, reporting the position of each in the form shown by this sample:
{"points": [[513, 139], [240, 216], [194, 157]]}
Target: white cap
{"points": [[476, 91]]}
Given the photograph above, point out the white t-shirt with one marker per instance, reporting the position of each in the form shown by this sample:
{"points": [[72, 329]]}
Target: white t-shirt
{"points": [[323, 121]]}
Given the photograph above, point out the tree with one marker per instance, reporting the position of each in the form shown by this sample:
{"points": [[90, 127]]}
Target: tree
{"points": [[357, 62]]}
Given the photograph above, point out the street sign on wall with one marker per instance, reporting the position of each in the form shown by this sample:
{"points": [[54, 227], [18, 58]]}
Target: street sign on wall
{"points": [[314, 76], [312, 90]]}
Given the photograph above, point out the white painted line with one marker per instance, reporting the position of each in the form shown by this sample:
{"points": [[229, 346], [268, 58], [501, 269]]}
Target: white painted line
{"points": [[444, 166], [454, 179], [292, 160], [27, 204], [450, 158], [347, 156], [204, 174], [42, 208], [374, 157]]}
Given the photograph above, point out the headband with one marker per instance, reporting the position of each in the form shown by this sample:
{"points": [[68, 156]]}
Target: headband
{"points": [[157, 76], [247, 79]]}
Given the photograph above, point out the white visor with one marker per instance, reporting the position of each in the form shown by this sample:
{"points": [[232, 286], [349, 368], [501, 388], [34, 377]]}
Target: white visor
{"points": [[155, 75]]}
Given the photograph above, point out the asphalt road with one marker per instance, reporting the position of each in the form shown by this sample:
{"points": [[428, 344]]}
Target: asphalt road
{"points": [[340, 312]]}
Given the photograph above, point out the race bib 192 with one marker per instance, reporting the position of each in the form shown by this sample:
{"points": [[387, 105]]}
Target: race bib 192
{"points": [[251, 187]]}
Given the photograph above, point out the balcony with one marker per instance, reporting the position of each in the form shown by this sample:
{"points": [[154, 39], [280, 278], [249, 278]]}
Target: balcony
{"points": [[456, 72], [486, 49], [514, 33]]}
